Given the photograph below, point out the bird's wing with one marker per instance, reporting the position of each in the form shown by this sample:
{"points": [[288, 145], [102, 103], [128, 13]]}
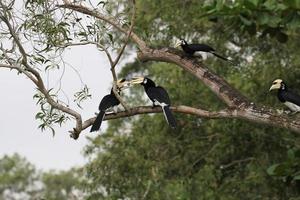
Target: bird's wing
{"points": [[291, 97], [108, 101], [159, 94], [201, 47]]}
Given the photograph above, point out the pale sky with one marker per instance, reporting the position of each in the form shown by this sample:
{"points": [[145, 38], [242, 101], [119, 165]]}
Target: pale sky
{"points": [[19, 132]]}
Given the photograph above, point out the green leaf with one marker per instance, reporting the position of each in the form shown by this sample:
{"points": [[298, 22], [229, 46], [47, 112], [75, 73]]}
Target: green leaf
{"points": [[291, 154], [295, 4], [245, 20], [271, 170], [254, 2], [110, 37], [270, 4], [220, 4], [296, 177]]}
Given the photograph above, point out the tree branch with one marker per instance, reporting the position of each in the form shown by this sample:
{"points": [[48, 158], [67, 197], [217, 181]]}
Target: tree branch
{"points": [[19, 69], [149, 109]]}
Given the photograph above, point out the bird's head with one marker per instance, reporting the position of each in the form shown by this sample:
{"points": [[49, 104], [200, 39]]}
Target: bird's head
{"points": [[180, 42], [277, 84], [122, 84]]}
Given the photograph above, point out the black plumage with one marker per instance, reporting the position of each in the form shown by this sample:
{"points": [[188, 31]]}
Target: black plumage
{"points": [[191, 49], [287, 96], [108, 101], [159, 96]]}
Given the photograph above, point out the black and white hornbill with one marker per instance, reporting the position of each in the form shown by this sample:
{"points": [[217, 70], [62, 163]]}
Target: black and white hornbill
{"points": [[107, 102], [192, 49], [290, 99], [159, 96]]}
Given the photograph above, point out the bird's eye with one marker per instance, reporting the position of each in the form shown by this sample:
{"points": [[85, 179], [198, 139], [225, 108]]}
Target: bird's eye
{"points": [[274, 83]]}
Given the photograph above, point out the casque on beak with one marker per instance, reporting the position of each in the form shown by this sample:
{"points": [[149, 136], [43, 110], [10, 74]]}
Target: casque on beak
{"points": [[137, 80], [123, 84], [178, 43], [276, 85]]}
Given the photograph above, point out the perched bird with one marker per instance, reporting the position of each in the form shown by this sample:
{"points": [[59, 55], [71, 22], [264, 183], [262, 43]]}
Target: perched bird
{"points": [[107, 102], [158, 95], [290, 99], [192, 49]]}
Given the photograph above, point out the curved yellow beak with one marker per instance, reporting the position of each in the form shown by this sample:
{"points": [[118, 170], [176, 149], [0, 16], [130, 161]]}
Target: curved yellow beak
{"points": [[276, 85], [137, 80], [178, 43]]}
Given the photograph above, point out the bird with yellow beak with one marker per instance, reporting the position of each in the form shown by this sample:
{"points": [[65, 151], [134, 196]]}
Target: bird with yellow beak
{"points": [[287, 97], [159, 97], [109, 101]]}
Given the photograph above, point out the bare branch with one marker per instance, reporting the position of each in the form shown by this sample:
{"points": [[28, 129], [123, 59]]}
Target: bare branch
{"points": [[19, 69], [149, 109], [235, 162]]}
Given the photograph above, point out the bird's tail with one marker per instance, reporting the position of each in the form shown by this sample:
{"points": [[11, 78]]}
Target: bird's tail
{"points": [[169, 116], [223, 58], [98, 121]]}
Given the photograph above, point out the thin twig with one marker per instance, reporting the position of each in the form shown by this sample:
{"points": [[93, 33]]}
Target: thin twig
{"points": [[235, 162]]}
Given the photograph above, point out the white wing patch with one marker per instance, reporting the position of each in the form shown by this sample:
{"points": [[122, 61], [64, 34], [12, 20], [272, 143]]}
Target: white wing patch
{"points": [[292, 106], [203, 55], [157, 103]]}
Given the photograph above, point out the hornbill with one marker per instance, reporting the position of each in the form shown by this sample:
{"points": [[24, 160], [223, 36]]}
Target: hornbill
{"points": [[290, 99], [191, 49], [159, 97], [107, 102]]}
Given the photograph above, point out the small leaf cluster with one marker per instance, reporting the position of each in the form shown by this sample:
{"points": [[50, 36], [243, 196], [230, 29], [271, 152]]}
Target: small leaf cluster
{"points": [[48, 116]]}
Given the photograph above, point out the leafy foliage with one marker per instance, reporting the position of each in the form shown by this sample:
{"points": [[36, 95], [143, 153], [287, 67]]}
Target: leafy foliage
{"points": [[48, 115]]}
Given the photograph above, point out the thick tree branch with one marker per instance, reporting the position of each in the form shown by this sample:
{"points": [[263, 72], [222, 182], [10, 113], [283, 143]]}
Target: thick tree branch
{"points": [[149, 109]]}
